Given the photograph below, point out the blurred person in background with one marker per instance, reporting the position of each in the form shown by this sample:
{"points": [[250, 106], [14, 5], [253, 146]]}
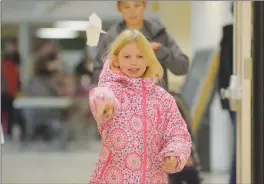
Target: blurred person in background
{"points": [[167, 51], [28, 66], [224, 74], [11, 52], [84, 72], [47, 82], [10, 85], [84, 82]]}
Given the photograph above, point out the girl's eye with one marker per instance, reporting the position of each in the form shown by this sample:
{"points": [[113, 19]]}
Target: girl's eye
{"points": [[126, 57], [140, 57]]}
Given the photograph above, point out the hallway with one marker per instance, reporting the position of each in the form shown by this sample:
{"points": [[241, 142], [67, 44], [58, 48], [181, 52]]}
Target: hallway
{"points": [[55, 167]]}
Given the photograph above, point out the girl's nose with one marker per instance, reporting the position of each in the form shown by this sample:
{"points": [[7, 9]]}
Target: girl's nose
{"points": [[134, 61]]}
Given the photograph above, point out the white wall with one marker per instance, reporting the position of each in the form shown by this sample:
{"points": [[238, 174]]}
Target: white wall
{"points": [[176, 17], [208, 18]]}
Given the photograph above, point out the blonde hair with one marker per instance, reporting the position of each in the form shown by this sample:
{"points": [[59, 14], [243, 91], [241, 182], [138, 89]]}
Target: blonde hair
{"points": [[119, 2], [154, 69]]}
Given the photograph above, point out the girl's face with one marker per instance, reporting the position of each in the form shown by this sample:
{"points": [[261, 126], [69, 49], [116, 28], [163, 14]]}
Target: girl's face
{"points": [[132, 11], [131, 62]]}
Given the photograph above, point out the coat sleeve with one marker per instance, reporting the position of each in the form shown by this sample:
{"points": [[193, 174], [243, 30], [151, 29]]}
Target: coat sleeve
{"points": [[100, 94], [171, 56], [177, 139]]}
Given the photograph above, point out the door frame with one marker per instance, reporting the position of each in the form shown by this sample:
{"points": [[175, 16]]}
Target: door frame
{"points": [[242, 63], [258, 110]]}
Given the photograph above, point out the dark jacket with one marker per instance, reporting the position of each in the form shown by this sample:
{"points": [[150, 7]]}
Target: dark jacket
{"points": [[226, 62], [170, 55]]}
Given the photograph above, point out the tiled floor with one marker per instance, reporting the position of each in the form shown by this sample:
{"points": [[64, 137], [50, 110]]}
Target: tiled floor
{"points": [[39, 165]]}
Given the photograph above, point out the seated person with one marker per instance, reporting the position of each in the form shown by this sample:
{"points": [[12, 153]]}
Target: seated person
{"points": [[44, 84]]}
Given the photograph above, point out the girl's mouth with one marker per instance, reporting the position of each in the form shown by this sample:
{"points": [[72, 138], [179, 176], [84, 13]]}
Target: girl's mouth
{"points": [[133, 70]]}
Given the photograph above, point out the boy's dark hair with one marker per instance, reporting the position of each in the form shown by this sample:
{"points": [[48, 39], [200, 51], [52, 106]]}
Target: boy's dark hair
{"points": [[40, 67]]}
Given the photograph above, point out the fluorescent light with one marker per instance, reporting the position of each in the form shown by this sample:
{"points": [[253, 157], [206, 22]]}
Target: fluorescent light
{"points": [[56, 33], [73, 25]]}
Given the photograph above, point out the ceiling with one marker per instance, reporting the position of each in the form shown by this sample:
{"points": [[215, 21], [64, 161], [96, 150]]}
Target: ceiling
{"points": [[47, 11], [43, 13]]}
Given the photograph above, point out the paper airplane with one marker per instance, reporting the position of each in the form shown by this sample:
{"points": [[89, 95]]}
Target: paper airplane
{"points": [[94, 30]]}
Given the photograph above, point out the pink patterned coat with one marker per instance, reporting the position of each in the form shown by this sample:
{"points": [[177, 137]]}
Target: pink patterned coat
{"points": [[146, 128]]}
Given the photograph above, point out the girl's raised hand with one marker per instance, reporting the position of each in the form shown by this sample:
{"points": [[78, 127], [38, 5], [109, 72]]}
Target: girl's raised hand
{"points": [[105, 110]]}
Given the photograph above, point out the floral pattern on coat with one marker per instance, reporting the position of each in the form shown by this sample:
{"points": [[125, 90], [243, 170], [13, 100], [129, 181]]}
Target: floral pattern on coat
{"points": [[146, 128]]}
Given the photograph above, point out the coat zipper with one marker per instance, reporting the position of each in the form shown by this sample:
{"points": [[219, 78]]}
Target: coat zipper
{"points": [[144, 106], [105, 166]]}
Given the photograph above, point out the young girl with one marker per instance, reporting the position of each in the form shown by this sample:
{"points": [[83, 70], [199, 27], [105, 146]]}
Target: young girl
{"points": [[144, 136]]}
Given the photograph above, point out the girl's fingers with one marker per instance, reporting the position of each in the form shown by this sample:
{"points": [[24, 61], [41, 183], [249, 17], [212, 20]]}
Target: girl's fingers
{"points": [[107, 113], [168, 170], [169, 165], [104, 108]]}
